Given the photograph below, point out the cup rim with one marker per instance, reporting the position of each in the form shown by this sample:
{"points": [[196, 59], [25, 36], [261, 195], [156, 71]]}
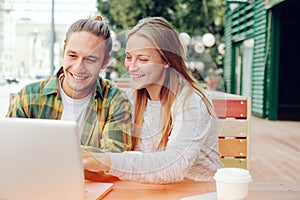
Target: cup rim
{"points": [[229, 175]]}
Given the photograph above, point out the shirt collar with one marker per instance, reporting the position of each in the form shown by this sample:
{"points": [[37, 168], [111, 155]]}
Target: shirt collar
{"points": [[52, 87]]}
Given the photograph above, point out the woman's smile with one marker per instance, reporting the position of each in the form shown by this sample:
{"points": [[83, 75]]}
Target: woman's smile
{"points": [[137, 76]]}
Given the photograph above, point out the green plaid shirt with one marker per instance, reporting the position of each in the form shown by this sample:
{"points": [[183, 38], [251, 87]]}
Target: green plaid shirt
{"points": [[107, 125]]}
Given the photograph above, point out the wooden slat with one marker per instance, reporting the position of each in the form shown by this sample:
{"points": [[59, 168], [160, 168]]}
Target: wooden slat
{"points": [[122, 82], [226, 96], [233, 127], [234, 113], [230, 108], [233, 147], [123, 85], [235, 162]]}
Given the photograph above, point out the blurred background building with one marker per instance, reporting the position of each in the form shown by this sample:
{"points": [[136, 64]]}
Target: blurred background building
{"points": [[26, 34], [262, 39], [6, 29]]}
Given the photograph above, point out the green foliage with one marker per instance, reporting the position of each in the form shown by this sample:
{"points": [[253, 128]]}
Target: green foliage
{"points": [[195, 17], [124, 14], [192, 16]]}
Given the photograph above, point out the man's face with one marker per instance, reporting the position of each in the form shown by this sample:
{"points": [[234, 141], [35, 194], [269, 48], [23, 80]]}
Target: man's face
{"points": [[82, 61]]}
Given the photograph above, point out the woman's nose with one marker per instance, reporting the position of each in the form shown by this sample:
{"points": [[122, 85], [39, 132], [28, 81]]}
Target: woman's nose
{"points": [[132, 66]]}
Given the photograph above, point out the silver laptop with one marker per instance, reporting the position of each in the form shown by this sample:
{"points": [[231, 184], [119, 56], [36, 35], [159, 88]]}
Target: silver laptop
{"points": [[41, 160]]}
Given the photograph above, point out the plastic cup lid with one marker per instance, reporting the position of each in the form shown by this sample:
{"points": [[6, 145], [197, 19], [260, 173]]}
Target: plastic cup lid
{"points": [[233, 175]]}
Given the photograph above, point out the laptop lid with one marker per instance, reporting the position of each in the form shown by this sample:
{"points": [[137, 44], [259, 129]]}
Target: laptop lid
{"points": [[41, 159]]}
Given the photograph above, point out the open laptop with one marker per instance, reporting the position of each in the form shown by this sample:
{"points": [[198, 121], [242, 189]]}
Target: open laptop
{"points": [[41, 160]]}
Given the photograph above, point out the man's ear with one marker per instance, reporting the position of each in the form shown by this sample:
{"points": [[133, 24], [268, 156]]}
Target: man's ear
{"points": [[105, 62]]}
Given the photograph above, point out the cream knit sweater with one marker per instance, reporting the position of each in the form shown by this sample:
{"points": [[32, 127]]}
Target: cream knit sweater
{"points": [[191, 152]]}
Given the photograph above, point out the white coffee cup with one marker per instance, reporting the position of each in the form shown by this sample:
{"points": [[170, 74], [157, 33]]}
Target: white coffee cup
{"points": [[232, 183]]}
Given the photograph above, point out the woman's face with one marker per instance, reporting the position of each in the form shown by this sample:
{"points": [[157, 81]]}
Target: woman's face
{"points": [[144, 63]]}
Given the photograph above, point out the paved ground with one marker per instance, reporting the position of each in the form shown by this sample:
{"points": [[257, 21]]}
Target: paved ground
{"points": [[275, 150]]}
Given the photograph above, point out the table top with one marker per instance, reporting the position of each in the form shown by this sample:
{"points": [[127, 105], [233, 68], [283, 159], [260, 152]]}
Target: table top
{"points": [[258, 190]]}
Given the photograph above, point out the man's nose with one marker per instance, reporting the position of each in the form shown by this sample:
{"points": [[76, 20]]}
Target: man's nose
{"points": [[78, 65]]}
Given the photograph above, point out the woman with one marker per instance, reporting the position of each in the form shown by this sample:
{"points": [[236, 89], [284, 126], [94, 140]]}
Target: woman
{"points": [[174, 123]]}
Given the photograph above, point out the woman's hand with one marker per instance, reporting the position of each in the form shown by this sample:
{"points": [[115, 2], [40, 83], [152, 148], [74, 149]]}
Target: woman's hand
{"points": [[95, 165], [95, 162]]}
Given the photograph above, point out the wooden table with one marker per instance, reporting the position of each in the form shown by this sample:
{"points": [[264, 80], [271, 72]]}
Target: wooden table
{"points": [[258, 190]]}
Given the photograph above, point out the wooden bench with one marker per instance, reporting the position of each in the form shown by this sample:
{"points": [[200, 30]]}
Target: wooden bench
{"points": [[234, 113]]}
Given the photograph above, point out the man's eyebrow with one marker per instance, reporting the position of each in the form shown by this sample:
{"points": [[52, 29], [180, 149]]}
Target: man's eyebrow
{"points": [[90, 56], [93, 57]]}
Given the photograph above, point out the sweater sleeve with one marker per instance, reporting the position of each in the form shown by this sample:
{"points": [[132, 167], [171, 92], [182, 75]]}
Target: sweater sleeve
{"points": [[191, 127]]}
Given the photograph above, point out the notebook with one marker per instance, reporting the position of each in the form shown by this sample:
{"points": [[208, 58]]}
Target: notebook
{"points": [[206, 196], [41, 159]]}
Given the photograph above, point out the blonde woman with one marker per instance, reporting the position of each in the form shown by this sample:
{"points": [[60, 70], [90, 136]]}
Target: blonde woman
{"points": [[175, 130]]}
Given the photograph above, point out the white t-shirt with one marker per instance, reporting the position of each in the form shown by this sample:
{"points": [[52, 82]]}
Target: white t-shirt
{"points": [[74, 109], [191, 152]]}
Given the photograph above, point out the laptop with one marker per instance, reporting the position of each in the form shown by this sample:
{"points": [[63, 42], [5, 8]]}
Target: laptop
{"points": [[41, 160]]}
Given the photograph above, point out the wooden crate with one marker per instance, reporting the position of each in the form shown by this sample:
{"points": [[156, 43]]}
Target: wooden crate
{"points": [[234, 113]]}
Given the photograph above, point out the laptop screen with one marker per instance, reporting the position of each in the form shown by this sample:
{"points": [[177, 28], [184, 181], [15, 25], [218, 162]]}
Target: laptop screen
{"points": [[40, 159]]}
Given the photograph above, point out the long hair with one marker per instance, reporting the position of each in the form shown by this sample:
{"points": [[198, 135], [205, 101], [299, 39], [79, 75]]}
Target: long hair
{"points": [[95, 25], [166, 40]]}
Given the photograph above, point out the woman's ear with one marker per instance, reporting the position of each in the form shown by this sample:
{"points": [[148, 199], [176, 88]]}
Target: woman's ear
{"points": [[167, 64]]}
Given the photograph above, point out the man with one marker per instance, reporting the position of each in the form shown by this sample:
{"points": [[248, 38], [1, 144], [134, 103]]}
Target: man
{"points": [[76, 92]]}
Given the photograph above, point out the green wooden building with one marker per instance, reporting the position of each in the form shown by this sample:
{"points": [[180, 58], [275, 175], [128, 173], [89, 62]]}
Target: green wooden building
{"points": [[262, 39]]}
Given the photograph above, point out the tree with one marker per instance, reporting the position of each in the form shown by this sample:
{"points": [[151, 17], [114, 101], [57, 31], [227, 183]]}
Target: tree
{"points": [[191, 16], [195, 17], [124, 14]]}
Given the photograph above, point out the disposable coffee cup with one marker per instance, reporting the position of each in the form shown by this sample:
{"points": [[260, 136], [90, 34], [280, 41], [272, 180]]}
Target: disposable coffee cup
{"points": [[232, 183]]}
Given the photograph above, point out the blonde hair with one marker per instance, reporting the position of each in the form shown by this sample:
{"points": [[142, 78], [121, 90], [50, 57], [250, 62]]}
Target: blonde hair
{"points": [[95, 25], [166, 40]]}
